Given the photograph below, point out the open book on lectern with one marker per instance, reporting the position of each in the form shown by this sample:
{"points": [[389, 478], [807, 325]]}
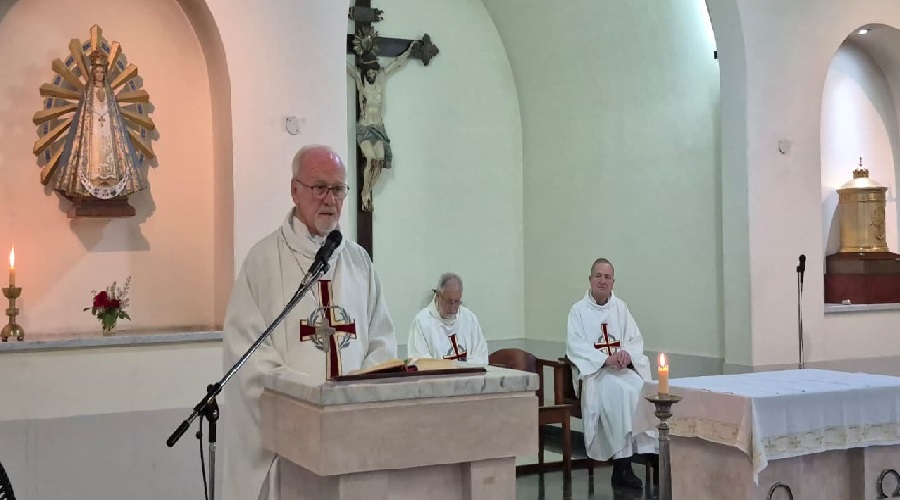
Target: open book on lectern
{"points": [[411, 367]]}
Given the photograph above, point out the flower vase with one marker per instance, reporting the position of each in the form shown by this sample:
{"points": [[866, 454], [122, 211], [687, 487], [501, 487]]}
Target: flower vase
{"points": [[110, 332]]}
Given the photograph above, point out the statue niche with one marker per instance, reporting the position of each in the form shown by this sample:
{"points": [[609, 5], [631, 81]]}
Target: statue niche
{"points": [[864, 270], [93, 140]]}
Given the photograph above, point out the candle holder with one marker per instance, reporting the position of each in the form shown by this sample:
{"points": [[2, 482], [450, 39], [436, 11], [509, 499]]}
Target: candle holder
{"points": [[12, 329], [663, 403]]}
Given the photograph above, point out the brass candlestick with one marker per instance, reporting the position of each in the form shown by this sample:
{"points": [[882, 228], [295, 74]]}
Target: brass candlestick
{"points": [[663, 412], [12, 329]]}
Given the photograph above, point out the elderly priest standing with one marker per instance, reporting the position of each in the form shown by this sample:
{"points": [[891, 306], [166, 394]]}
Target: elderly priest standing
{"points": [[607, 349], [348, 298], [446, 328]]}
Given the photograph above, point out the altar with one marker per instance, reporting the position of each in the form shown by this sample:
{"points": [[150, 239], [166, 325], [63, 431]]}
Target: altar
{"points": [[448, 437], [811, 434]]}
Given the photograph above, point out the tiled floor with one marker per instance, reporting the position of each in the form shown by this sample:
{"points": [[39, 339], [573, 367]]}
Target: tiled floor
{"points": [[551, 486]]}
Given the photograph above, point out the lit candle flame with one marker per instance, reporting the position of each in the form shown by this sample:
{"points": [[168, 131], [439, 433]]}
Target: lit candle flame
{"points": [[12, 258], [663, 373]]}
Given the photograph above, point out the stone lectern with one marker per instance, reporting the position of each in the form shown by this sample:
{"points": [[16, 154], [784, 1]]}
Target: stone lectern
{"points": [[449, 437]]}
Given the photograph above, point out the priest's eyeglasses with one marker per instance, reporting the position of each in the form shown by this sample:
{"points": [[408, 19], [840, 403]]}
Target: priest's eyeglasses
{"points": [[339, 191], [450, 302]]}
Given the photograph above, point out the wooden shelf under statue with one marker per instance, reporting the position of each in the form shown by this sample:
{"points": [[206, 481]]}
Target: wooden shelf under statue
{"points": [[94, 129], [864, 270]]}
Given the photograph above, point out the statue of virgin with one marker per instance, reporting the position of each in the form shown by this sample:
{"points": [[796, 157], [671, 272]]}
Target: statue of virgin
{"points": [[98, 158]]}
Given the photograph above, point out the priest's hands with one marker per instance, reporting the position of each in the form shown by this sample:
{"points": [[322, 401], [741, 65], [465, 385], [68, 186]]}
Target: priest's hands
{"points": [[618, 360]]}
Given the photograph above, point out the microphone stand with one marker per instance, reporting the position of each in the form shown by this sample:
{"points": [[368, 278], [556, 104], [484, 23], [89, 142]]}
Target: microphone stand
{"points": [[207, 407], [800, 270]]}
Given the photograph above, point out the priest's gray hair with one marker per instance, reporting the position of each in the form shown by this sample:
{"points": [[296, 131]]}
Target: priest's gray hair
{"points": [[602, 260], [446, 279], [301, 157]]}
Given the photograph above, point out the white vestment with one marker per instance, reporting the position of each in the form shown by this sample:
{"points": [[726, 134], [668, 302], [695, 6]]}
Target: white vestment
{"points": [[459, 337], [270, 275], [609, 396]]}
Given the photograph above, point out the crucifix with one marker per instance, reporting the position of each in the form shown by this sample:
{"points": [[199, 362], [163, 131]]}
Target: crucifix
{"points": [[373, 153]]}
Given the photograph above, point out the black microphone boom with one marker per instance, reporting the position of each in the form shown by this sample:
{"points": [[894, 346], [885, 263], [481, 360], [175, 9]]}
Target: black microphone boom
{"points": [[332, 241], [801, 268]]}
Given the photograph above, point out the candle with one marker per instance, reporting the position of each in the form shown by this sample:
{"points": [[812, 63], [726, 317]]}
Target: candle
{"points": [[663, 374], [12, 267]]}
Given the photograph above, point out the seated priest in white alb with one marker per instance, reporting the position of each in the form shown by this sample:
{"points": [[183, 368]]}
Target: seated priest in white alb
{"points": [[446, 328], [347, 303], [607, 349]]}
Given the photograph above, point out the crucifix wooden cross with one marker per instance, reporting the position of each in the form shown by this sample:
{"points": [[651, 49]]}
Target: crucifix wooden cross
{"points": [[373, 151]]}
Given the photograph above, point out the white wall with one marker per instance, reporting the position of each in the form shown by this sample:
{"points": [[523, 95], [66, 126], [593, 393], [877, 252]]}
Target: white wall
{"points": [[70, 383], [735, 195], [453, 200], [619, 108], [778, 93], [858, 120], [92, 423], [280, 65]]}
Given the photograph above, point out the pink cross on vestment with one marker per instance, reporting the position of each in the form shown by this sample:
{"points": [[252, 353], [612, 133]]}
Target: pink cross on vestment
{"points": [[459, 352], [330, 332], [604, 343]]}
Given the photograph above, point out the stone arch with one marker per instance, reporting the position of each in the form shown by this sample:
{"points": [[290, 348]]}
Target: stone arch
{"points": [[223, 155], [860, 103]]}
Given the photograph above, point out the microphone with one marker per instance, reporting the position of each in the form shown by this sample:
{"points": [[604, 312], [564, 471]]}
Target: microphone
{"points": [[332, 241], [801, 268]]}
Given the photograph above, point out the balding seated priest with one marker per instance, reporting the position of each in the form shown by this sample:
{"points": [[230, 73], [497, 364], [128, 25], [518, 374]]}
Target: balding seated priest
{"points": [[607, 350], [446, 328]]}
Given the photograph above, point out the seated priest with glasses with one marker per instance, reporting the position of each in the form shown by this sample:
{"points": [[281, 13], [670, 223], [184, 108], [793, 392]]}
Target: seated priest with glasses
{"points": [[606, 347], [446, 328]]}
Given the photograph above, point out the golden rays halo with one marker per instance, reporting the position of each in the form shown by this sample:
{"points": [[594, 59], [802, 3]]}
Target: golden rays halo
{"points": [[63, 94]]}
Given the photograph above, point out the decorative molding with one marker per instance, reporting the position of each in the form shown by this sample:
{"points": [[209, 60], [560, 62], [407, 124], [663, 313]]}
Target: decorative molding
{"points": [[859, 308], [121, 339]]}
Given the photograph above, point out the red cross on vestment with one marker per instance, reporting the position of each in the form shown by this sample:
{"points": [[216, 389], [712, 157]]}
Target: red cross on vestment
{"points": [[604, 343], [459, 351], [331, 334]]}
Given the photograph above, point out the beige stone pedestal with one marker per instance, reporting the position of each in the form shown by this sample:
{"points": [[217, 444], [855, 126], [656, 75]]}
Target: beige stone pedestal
{"points": [[424, 438]]}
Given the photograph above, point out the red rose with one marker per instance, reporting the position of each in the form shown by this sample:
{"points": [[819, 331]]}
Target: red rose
{"points": [[101, 300], [114, 303]]}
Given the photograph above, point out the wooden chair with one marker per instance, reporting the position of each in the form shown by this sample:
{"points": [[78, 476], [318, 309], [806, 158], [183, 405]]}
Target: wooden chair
{"points": [[517, 359], [564, 393]]}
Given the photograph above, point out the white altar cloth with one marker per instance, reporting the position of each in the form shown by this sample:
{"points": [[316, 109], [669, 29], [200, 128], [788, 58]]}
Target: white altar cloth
{"points": [[783, 414]]}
